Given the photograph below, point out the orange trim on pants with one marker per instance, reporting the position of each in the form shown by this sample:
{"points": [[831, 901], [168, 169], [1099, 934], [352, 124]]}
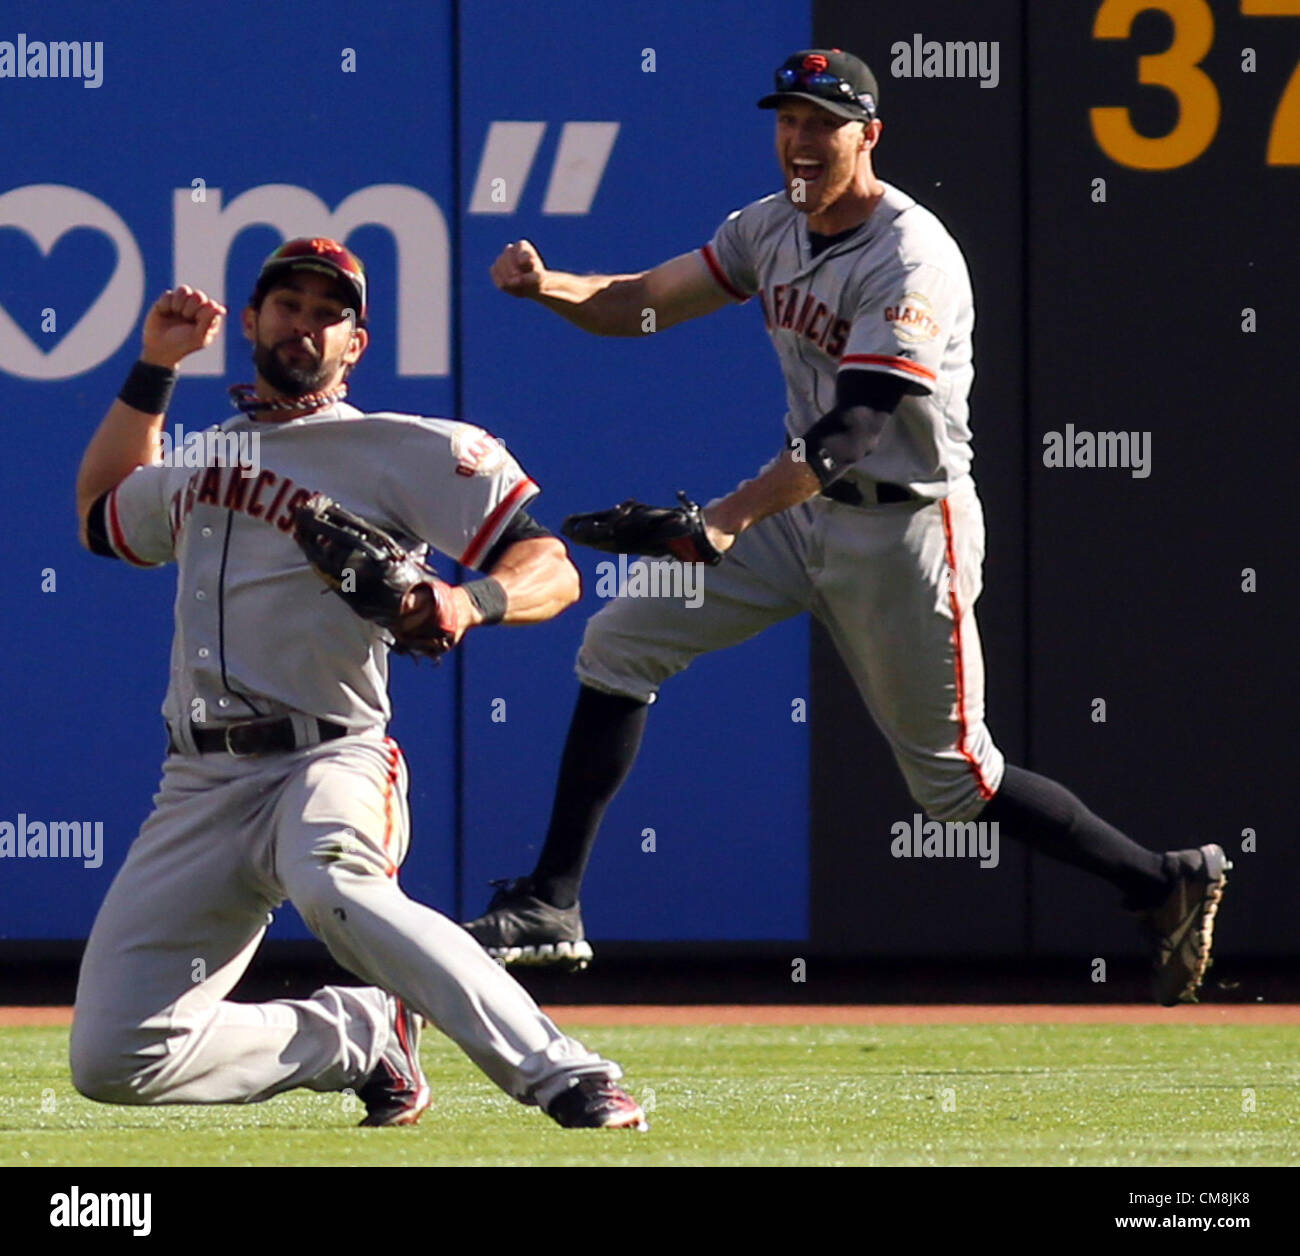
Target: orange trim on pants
{"points": [[390, 784], [954, 605]]}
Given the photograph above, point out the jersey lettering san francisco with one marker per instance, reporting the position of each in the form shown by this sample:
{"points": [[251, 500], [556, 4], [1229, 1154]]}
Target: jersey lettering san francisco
{"points": [[893, 296], [254, 635]]}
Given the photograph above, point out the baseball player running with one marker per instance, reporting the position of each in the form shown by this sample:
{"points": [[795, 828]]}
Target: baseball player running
{"points": [[280, 782], [869, 520]]}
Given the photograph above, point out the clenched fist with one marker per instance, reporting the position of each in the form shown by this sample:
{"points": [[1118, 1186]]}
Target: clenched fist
{"points": [[519, 270], [182, 321]]}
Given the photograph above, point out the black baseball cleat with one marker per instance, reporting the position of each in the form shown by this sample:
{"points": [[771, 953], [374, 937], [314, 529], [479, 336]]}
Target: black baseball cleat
{"points": [[1180, 928], [520, 928], [596, 1103], [397, 1091]]}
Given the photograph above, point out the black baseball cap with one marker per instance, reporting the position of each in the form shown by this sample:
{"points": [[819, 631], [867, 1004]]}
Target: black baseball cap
{"points": [[829, 77], [318, 253]]}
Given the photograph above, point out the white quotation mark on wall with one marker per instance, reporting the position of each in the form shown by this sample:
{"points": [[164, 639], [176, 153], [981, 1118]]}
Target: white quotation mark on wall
{"points": [[508, 156]]}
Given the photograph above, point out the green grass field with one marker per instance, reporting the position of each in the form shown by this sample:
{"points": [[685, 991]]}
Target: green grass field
{"points": [[803, 1095]]}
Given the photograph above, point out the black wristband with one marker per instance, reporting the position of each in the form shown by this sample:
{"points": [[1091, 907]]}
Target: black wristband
{"points": [[489, 597], [149, 388]]}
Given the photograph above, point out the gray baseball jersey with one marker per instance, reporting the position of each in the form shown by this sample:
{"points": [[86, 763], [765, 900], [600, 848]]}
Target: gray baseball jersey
{"points": [[245, 589], [894, 296]]}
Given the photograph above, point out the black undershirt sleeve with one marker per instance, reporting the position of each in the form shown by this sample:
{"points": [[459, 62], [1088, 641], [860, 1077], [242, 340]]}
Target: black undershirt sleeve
{"points": [[522, 527], [864, 401], [876, 389], [97, 529]]}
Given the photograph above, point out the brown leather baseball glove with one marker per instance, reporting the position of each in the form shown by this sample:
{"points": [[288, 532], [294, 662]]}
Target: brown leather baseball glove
{"points": [[378, 578], [656, 531]]}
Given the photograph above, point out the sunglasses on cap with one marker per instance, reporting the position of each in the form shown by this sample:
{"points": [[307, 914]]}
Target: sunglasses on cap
{"points": [[820, 83]]}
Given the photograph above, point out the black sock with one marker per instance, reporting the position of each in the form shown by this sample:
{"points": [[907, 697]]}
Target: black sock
{"points": [[1047, 818], [604, 737]]}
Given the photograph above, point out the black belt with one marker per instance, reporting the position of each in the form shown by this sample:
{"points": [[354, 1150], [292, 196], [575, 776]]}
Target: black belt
{"points": [[850, 495], [253, 737]]}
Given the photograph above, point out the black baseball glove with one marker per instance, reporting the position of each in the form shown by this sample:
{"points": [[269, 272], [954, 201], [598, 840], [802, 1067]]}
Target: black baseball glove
{"points": [[373, 574], [656, 531]]}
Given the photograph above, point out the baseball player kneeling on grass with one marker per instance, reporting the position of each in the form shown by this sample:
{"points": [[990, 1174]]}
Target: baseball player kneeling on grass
{"points": [[280, 782], [869, 520]]}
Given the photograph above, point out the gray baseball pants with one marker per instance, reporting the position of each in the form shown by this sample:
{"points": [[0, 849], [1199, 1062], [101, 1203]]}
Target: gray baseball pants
{"points": [[895, 585], [229, 839]]}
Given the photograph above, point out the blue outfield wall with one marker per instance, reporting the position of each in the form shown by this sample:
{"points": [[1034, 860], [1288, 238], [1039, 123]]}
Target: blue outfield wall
{"points": [[205, 142]]}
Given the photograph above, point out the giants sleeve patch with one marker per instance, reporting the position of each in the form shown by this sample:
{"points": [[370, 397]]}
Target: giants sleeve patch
{"points": [[913, 319], [476, 452]]}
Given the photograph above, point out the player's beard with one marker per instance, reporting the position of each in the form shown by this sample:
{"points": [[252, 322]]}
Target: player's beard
{"points": [[288, 378]]}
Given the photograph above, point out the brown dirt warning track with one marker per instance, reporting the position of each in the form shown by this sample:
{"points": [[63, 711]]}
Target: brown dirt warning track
{"points": [[936, 1014], [858, 1014]]}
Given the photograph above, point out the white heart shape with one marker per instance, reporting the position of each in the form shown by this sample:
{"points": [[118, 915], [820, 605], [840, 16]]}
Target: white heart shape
{"points": [[45, 213]]}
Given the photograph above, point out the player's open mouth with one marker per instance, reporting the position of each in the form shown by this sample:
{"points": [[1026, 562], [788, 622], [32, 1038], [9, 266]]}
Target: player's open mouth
{"points": [[808, 171]]}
